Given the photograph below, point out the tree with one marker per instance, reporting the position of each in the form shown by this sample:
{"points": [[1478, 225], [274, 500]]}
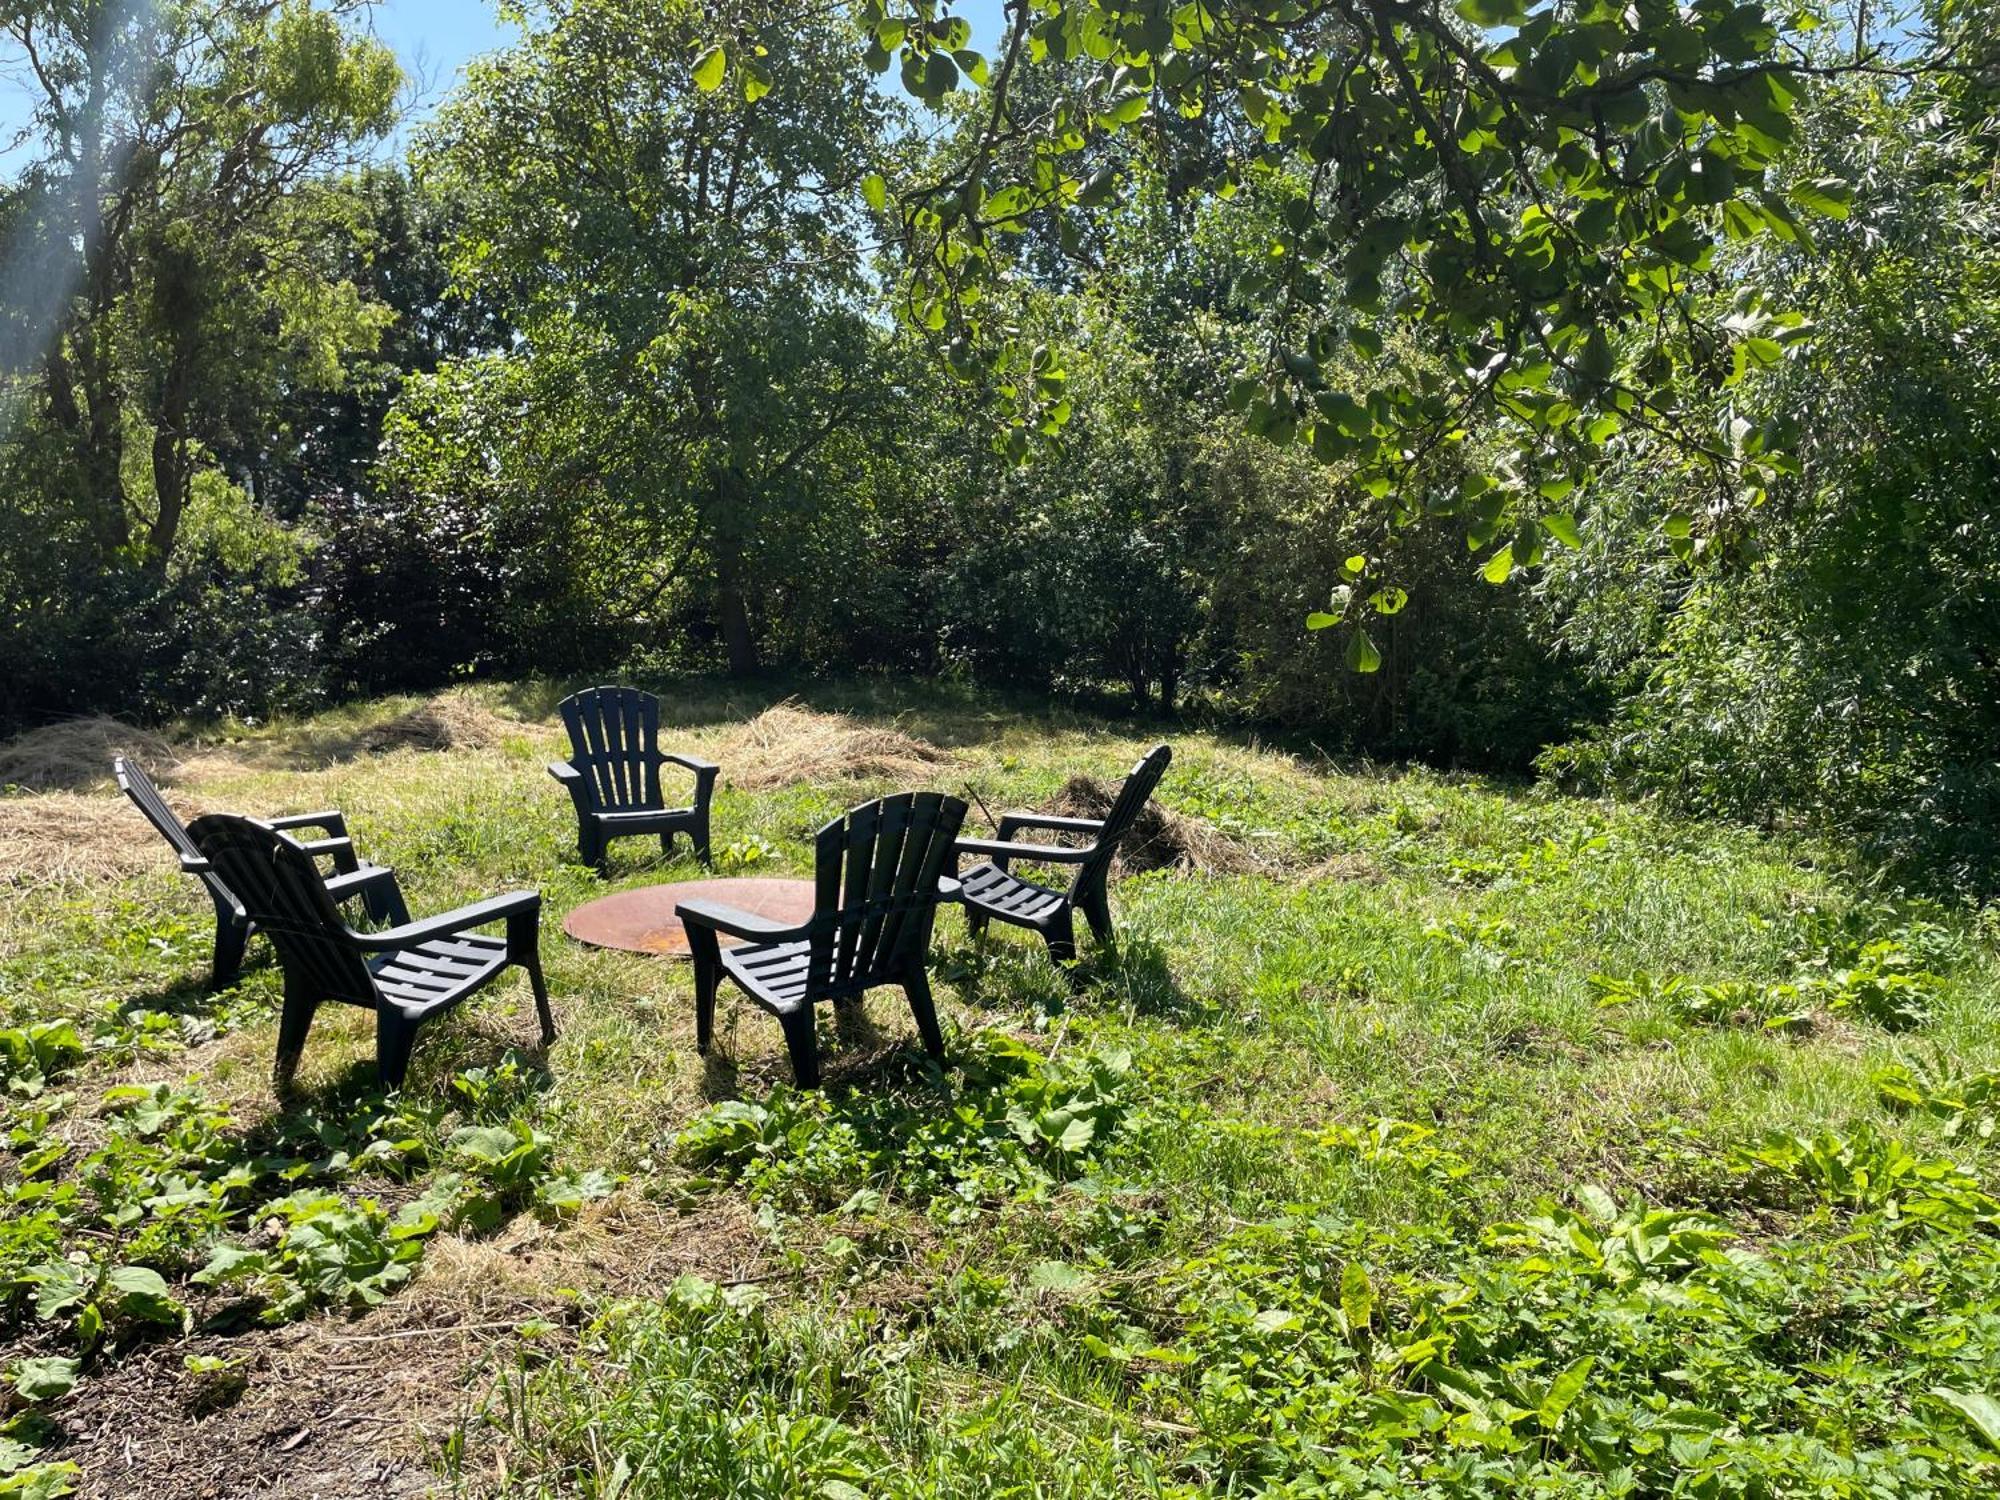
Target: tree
{"points": [[1534, 194], [164, 293], [664, 201]]}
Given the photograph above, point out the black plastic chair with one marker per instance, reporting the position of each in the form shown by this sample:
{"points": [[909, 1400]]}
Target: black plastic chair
{"points": [[374, 884], [406, 974], [880, 871], [613, 775], [992, 892]]}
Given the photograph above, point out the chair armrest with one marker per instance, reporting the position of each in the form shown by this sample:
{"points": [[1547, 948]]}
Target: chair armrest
{"points": [[1013, 820], [564, 772], [354, 882], [1052, 854], [193, 866], [949, 889], [478, 914], [341, 850], [720, 918], [332, 820], [693, 763]]}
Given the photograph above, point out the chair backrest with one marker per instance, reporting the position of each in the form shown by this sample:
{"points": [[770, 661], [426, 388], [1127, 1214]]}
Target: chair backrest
{"points": [[876, 872], [284, 894], [614, 739], [136, 784], [1131, 800]]}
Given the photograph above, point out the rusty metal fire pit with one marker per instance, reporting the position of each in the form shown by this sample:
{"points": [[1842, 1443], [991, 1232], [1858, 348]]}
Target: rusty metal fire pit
{"points": [[643, 920]]}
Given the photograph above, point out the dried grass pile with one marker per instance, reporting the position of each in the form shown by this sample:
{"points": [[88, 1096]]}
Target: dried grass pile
{"points": [[789, 743], [59, 837], [453, 720], [1160, 838], [77, 753]]}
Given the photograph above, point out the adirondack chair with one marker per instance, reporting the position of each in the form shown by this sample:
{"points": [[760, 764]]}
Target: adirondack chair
{"points": [[880, 871], [613, 774], [374, 884], [406, 974], [992, 892]]}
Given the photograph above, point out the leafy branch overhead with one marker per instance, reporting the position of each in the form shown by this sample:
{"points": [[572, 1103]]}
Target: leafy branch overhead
{"points": [[1533, 197]]}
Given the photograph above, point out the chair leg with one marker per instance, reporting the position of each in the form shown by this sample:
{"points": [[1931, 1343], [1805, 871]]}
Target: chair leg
{"points": [[590, 849], [976, 922], [917, 986], [698, 836], [394, 1037], [1096, 904], [1060, 934], [231, 936], [707, 954], [524, 945], [667, 845], [294, 1021], [802, 1041]]}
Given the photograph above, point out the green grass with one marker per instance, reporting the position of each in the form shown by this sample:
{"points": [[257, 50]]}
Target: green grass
{"points": [[1490, 1143]]}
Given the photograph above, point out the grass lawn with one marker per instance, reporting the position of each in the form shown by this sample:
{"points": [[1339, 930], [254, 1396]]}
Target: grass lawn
{"points": [[1480, 1143]]}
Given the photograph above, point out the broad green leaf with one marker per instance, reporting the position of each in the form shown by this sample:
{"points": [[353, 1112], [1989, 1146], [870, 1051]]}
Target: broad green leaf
{"points": [[1319, 619], [1978, 1408], [709, 68], [1564, 1390], [43, 1379], [1357, 1299], [875, 189], [1361, 653], [1500, 566], [1562, 526], [1829, 197]]}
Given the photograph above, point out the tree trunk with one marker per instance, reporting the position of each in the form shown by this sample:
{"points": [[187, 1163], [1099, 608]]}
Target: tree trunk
{"points": [[738, 643]]}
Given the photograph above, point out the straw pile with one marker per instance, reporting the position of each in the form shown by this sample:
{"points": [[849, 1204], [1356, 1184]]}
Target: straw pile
{"points": [[788, 743], [59, 837], [453, 720], [1160, 838], [77, 753]]}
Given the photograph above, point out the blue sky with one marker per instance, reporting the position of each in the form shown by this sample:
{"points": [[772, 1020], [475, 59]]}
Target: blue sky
{"points": [[433, 39]]}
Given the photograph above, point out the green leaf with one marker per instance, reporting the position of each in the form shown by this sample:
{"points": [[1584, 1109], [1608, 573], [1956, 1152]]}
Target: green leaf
{"points": [[709, 68], [1486, 13], [1361, 653], [1500, 566], [1564, 1390], [1978, 1408], [875, 189], [1562, 526], [1319, 619], [1357, 1298], [1058, 1276], [1829, 197], [1389, 601], [43, 1379], [756, 83]]}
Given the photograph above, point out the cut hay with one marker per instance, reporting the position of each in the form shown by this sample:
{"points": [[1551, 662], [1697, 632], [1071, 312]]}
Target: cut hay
{"points": [[454, 720], [63, 837], [77, 753], [1160, 838], [788, 743]]}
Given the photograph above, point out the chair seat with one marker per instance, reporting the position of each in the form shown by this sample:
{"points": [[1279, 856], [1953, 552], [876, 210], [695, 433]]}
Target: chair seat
{"points": [[437, 973], [773, 973], [992, 890]]}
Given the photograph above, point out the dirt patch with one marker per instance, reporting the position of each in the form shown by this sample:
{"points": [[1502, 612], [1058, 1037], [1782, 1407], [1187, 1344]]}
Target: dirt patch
{"points": [[64, 837], [332, 1409], [319, 1411], [454, 720], [790, 743], [77, 754], [1160, 838]]}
